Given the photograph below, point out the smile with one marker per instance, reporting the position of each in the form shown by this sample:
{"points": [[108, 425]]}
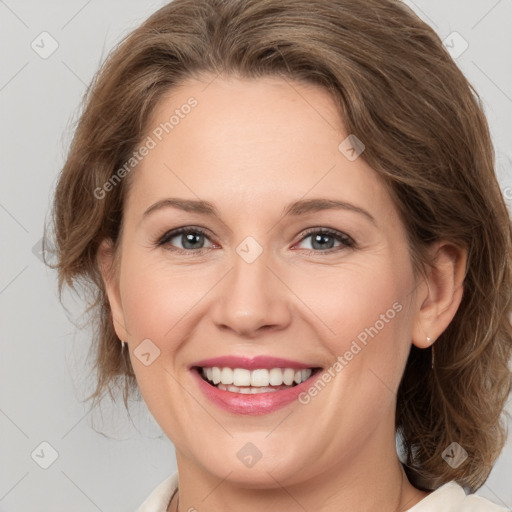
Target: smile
{"points": [[260, 380], [252, 386]]}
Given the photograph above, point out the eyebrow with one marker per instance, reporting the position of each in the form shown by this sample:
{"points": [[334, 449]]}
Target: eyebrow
{"points": [[304, 206], [300, 207]]}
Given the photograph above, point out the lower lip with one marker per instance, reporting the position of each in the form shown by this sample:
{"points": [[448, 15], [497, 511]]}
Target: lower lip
{"points": [[252, 404]]}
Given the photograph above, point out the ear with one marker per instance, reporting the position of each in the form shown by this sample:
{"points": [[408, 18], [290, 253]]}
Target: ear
{"points": [[440, 293], [110, 275]]}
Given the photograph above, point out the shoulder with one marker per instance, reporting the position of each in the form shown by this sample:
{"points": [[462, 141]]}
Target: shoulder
{"points": [[451, 497], [159, 498], [474, 503]]}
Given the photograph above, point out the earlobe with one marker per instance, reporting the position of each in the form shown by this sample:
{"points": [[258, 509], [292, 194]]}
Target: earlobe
{"points": [[109, 273], [443, 289]]}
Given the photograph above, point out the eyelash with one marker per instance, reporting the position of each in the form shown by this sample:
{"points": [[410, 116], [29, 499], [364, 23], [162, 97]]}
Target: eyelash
{"points": [[346, 241]]}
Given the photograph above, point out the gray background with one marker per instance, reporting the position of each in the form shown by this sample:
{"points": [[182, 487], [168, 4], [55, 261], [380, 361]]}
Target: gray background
{"points": [[107, 462]]}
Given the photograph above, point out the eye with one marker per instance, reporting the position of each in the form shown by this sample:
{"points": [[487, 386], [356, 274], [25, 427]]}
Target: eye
{"points": [[191, 239], [324, 239]]}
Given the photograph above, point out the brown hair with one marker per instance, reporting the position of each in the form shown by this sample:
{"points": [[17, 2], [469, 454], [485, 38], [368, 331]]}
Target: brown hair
{"points": [[425, 132]]}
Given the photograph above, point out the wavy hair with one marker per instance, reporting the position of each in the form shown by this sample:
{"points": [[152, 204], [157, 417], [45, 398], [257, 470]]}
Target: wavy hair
{"points": [[425, 132]]}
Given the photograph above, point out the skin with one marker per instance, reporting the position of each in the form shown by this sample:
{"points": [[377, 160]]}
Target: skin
{"points": [[251, 147]]}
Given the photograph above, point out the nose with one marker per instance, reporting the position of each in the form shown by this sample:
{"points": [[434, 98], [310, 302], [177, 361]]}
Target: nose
{"points": [[252, 298]]}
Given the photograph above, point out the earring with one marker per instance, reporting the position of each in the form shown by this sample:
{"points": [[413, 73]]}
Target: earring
{"points": [[431, 353]]}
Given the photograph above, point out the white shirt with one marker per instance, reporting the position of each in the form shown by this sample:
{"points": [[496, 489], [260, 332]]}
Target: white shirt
{"points": [[449, 497]]}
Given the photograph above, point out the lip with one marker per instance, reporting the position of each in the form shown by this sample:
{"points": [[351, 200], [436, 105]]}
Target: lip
{"points": [[251, 363], [252, 404]]}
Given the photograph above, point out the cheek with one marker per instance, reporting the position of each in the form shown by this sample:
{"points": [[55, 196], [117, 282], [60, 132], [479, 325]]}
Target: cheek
{"points": [[354, 297], [157, 297], [158, 301], [364, 311]]}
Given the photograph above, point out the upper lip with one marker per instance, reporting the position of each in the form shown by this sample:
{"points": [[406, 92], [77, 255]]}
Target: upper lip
{"points": [[251, 363]]}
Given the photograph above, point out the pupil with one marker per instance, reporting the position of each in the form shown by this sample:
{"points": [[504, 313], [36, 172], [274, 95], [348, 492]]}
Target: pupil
{"points": [[320, 238]]}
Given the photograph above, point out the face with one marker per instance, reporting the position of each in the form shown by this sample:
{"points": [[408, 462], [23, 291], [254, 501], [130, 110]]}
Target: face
{"points": [[248, 281]]}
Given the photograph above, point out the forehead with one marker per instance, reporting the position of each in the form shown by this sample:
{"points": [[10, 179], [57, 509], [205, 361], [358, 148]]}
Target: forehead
{"points": [[239, 141]]}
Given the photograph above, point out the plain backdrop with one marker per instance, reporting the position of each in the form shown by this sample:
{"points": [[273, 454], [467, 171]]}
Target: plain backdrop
{"points": [[107, 462]]}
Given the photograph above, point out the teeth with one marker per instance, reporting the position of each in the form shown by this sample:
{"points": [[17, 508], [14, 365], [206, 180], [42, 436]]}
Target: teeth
{"points": [[260, 378], [241, 378], [288, 376], [246, 390], [276, 376], [216, 375], [226, 376]]}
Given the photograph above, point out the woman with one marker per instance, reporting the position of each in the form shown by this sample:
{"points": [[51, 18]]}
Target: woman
{"points": [[282, 207]]}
